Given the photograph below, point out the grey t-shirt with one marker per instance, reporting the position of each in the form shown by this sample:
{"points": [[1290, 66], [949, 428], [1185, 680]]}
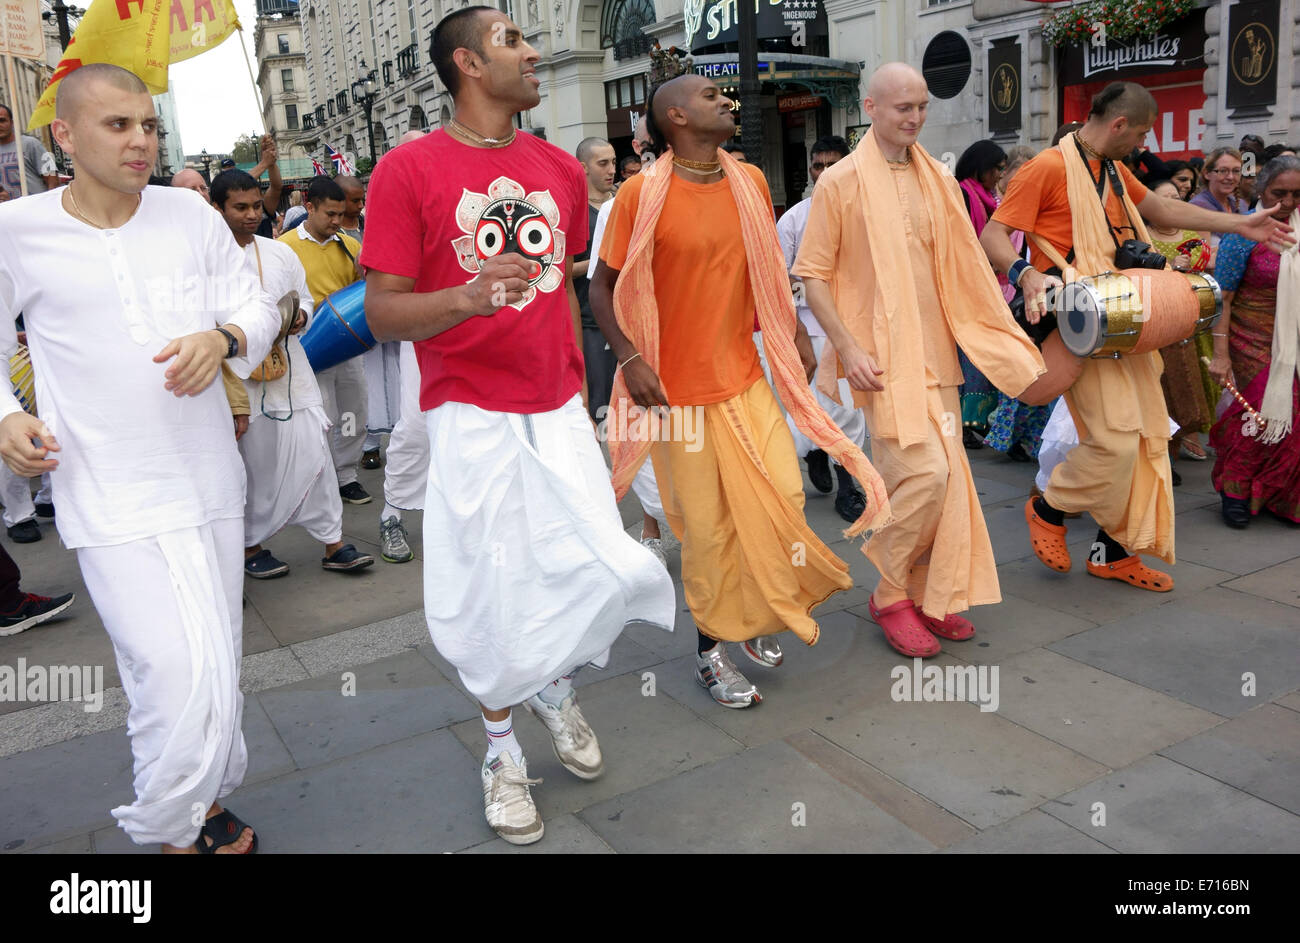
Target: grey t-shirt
{"points": [[38, 161]]}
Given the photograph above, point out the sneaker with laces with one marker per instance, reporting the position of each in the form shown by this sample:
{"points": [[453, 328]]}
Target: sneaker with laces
{"points": [[764, 650], [507, 802], [33, 611], [571, 736], [353, 493], [656, 546], [723, 680], [393, 540]]}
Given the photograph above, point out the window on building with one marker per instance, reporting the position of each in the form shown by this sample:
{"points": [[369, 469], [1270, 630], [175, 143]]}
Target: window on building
{"points": [[410, 19], [291, 117], [388, 71], [329, 106], [946, 64], [286, 80], [283, 40], [622, 25]]}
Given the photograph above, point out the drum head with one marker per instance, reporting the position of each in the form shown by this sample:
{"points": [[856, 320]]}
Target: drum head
{"points": [[1081, 318]]}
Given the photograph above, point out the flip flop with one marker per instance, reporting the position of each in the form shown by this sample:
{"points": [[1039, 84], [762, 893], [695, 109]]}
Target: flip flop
{"points": [[223, 829], [904, 629], [952, 627], [1048, 540], [1134, 572]]}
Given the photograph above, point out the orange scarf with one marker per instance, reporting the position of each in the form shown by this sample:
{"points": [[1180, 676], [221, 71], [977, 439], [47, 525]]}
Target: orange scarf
{"points": [[637, 311]]}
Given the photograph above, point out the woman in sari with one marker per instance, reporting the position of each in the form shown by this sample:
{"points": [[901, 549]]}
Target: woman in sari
{"points": [[1258, 463]]}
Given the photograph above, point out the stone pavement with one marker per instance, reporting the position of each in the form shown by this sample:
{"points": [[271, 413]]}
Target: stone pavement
{"points": [[1174, 719]]}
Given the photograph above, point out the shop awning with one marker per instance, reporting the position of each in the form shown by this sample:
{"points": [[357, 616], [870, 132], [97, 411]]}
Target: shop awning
{"points": [[835, 80]]}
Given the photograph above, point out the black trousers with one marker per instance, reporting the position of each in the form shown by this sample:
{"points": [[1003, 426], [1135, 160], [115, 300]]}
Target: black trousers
{"points": [[10, 576], [600, 371]]}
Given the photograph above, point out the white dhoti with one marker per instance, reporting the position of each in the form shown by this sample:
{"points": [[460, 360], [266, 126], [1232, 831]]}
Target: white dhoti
{"points": [[172, 607], [646, 489], [527, 571], [383, 390], [406, 469], [343, 391], [16, 494], [291, 478], [851, 420]]}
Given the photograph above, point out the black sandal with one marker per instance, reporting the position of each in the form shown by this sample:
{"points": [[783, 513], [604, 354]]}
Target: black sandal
{"points": [[222, 829]]}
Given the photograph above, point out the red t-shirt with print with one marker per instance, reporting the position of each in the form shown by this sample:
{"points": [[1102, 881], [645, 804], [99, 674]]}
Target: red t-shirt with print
{"points": [[436, 209]]}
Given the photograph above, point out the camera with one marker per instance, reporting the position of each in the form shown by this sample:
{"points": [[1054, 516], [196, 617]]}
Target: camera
{"points": [[1133, 253]]}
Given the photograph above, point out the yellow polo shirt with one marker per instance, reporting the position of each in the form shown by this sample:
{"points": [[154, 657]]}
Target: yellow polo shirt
{"points": [[327, 265]]}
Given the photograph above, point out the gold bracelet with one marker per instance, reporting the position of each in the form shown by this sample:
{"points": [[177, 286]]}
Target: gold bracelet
{"points": [[1215, 334], [629, 360]]}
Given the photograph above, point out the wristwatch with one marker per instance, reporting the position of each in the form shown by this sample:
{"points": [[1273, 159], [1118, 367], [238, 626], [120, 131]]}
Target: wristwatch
{"points": [[232, 349], [1014, 273]]}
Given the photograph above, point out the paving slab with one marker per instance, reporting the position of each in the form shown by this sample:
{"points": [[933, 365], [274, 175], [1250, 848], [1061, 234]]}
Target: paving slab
{"points": [[768, 799], [643, 739], [1291, 701], [1157, 806], [76, 637], [1258, 752], [258, 637], [1033, 833], [565, 835], [394, 698], [977, 765], [1197, 648], [76, 845], [991, 491], [347, 649], [1096, 714], [1202, 537], [1280, 583]]}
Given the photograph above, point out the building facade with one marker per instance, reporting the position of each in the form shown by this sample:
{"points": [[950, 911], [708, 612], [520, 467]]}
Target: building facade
{"points": [[282, 76]]}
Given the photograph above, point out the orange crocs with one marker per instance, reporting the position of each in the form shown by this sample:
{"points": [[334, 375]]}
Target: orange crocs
{"points": [[1134, 572], [904, 628], [1048, 540]]}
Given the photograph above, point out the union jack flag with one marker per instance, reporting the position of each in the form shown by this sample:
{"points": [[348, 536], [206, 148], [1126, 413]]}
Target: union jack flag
{"points": [[341, 165], [318, 168]]}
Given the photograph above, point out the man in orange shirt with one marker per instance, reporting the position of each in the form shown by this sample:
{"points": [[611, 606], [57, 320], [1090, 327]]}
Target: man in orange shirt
{"points": [[1120, 470], [724, 459]]}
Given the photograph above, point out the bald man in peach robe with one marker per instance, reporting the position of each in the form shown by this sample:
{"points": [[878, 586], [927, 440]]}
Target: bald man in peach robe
{"points": [[895, 275]]}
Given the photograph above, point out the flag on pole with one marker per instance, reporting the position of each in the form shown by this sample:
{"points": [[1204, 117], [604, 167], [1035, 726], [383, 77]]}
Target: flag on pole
{"points": [[318, 168], [341, 165], [141, 36]]}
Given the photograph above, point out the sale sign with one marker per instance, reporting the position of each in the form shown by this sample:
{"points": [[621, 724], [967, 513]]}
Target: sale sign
{"points": [[1180, 121]]}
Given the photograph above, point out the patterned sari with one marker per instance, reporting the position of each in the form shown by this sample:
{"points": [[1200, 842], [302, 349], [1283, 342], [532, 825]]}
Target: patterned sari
{"points": [[1268, 476]]}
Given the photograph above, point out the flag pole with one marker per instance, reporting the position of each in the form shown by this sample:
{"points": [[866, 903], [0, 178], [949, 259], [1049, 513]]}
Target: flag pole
{"points": [[257, 93], [18, 134]]}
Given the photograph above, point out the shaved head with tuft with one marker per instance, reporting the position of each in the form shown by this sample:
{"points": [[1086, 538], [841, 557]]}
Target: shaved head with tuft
{"points": [[72, 88]]}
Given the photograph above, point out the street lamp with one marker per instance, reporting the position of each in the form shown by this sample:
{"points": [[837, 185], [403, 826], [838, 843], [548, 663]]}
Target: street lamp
{"points": [[61, 14], [207, 164], [363, 94]]}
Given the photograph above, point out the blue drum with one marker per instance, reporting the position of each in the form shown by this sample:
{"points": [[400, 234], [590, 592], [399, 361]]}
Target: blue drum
{"points": [[338, 330]]}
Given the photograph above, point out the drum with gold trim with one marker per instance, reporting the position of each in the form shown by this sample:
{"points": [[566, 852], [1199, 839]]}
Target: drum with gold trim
{"points": [[1135, 311], [23, 379]]}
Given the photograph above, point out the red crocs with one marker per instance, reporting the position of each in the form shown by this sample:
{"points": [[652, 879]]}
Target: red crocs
{"points": [[904, 629], [953, 627]]}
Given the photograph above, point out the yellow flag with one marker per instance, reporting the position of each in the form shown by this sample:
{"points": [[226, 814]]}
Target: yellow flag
{"points": [[141, 36]]}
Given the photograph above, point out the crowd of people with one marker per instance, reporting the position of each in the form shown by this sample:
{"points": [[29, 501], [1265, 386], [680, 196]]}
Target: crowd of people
{"points": [[529, 304]]}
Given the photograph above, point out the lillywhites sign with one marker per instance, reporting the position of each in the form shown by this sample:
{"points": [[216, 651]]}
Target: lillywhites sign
{"points": [[1115, 54]]}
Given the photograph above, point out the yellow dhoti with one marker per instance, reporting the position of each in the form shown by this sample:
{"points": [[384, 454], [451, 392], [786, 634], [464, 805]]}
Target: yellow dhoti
{"points": [[936, 551], [733, 495], [1119, 472]]}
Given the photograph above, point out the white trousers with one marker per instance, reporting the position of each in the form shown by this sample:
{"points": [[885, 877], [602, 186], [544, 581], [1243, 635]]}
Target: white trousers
{"points": [[528, 573], [343, 392], [406, 464], [850, 419], [383, 387], [172, 608], [291, 478], [16, 494], [646, 489]]}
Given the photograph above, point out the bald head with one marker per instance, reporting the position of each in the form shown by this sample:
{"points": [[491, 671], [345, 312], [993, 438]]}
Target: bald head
{"points": [[410, 136], [690, 107], [350, 184], [75, 87], [896, 103], [674, 93], [893, 77], [587, 147]]}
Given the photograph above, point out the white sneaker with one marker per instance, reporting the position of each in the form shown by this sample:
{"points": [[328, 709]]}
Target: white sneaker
{"points": [[571, 736], [507, 803], [656, 546]]}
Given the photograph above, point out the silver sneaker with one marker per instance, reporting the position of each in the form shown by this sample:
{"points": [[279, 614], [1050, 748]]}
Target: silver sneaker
{"points": [[721, 678], [571, 736], [765, 650], [656, 546], [508, 804], [392, 537]]}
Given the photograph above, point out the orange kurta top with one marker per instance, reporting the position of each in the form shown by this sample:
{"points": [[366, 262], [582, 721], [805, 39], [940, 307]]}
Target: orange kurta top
{"points": [[706, 301]]}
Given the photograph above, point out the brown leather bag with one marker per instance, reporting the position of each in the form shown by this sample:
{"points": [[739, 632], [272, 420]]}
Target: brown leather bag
{"points": [[276, 363]]}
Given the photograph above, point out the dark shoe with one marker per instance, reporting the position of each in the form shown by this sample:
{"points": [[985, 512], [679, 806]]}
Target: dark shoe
{"points": [[1017, 453], [371, 459], [34, 610], [222, 829], [819, 470], [25, 532], [1177, 478], [354, 494], [46, 511], [263, 566], [1236, 512], [347, 557], [849, 504]]}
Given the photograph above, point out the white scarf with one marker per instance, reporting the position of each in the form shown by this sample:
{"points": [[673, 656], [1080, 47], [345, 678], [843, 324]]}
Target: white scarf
{"points": [[1283, 366]]}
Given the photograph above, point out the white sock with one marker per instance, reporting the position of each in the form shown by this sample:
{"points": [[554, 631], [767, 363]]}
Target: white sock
{"points": [[389, 511], [501, 738], [555, 692]]}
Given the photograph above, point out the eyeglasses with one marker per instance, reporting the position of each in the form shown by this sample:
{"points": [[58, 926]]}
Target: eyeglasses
{"points": [[1224, 172]]}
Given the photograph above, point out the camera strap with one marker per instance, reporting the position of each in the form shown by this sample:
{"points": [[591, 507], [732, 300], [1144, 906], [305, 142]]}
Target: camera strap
{"points": [[1107, 171]]}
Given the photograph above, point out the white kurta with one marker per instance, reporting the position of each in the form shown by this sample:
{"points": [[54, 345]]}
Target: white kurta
{"points": [[527, 570], [406, 470], [286, 449], [150, 486]]}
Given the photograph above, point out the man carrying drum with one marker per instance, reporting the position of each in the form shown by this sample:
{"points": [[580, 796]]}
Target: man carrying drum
{"points": [[1066, 199]]}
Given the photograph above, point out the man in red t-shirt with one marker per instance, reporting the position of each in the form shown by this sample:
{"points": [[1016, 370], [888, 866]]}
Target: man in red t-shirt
{"points": [[528, 574]]}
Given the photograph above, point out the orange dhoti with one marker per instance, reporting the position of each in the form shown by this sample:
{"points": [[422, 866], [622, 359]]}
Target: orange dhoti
{"points": [[733, 495], [936, 551]]}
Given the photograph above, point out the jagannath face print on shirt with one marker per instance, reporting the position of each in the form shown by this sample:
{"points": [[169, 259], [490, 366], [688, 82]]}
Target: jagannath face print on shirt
{"points": [[506, 219]]}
